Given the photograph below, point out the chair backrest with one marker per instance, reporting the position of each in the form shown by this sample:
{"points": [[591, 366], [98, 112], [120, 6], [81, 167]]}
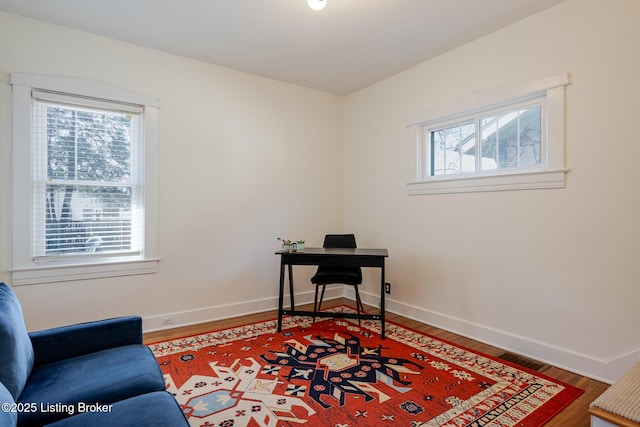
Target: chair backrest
{"points": [[339, 241]]}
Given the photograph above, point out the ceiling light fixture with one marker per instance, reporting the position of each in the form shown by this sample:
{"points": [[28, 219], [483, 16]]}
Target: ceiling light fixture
{"points": [[317, 4]]}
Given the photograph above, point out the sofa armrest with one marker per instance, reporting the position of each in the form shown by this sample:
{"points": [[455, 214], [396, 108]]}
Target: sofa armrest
{"points": [[51, 345]]}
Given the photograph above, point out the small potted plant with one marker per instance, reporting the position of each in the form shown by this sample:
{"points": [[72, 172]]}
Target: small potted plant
{"points": [[300, 245], [286, 244]]}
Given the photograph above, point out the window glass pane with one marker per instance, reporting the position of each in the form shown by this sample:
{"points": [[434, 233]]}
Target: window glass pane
{"points": [[453, 150], [88, 145], [87, 219], [511, 139]]}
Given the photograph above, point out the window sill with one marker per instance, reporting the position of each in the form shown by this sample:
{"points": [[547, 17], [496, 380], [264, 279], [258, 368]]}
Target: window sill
{"points": [[476, 183], [64, 273]]}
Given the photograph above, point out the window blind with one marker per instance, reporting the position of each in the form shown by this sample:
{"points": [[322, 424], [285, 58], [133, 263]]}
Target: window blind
{"points": [[87, 177]]}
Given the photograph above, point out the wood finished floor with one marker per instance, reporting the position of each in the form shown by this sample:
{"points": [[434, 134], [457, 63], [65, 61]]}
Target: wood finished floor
{"points": [[575, 415]]}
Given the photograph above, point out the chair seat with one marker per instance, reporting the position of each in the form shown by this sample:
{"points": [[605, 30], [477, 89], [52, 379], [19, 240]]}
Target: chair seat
{"points": [[326, 276]]}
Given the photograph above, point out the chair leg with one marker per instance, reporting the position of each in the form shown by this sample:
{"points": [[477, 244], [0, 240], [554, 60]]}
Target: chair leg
{"points": [[359, 299], [315, 304], [359, 305], [321, 297]]}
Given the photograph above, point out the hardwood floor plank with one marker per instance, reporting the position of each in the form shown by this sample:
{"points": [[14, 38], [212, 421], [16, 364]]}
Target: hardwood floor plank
{"points": [[575, 415]]}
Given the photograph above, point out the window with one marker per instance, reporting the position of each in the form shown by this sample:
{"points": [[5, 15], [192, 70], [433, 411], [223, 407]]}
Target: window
{"points": [[86, 205], [502, 139]]}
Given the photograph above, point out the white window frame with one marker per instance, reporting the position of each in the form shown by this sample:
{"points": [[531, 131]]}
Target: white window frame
{"points": [[25, 268], [550, 91]]}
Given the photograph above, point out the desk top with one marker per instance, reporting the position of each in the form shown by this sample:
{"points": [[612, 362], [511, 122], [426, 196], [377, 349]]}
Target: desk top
{"points": [[362, 252]]}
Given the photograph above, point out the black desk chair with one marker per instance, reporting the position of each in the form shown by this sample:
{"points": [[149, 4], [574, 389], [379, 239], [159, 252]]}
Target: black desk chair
{"points": [[337, 275]]}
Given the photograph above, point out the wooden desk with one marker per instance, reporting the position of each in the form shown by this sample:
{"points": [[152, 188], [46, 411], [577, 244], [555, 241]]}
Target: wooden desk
{"points": [[338, 257]]}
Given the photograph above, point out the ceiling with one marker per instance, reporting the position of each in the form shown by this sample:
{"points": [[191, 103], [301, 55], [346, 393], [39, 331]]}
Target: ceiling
{"points": [[341, 49]]}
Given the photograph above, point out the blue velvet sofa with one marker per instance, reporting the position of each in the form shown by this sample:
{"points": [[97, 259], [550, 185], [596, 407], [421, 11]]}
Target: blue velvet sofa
{"points": [[89, 374]]}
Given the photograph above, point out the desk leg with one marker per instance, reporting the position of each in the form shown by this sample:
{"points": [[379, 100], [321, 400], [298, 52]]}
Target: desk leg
{"points": [[382, 297], [281, 297], [293, 304]]}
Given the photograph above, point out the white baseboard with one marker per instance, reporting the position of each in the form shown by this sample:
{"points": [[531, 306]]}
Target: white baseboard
{"points": [[607, 371], [209, 314]]}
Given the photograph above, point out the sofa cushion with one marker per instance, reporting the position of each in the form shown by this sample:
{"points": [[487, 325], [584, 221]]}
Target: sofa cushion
{"points": [[16, 351], [8, 417], [105, 376], [158, 409]]}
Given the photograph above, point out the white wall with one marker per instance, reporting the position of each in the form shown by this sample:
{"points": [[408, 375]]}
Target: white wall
{"points": [[553, 274], [242, 160]]}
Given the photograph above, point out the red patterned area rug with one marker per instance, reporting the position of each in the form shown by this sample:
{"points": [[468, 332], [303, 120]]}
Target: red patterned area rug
{"points": [[335, 373]]}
